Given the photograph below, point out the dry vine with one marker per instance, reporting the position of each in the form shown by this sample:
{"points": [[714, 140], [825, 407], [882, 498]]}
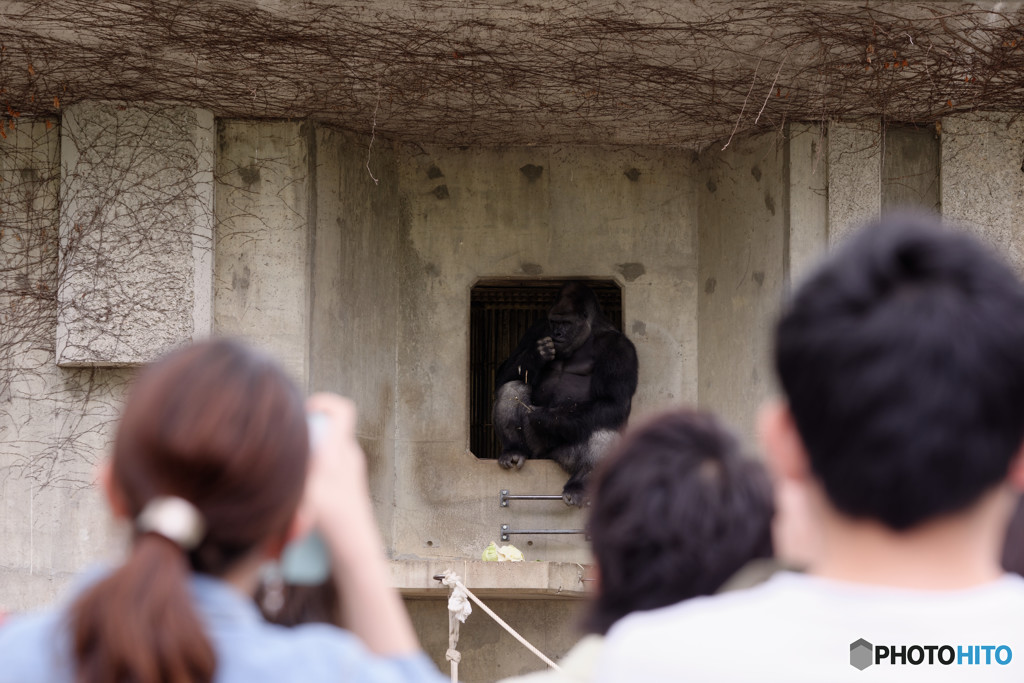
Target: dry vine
{"points": [[83, 246], [507, 72]]}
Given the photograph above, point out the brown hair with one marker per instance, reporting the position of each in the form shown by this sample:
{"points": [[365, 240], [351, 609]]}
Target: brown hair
{"points": [[677, 510], [221, 426]]}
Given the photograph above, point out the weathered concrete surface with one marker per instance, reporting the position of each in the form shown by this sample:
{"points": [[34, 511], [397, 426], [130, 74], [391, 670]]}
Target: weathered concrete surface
{"points": [[910, 169], [488, 651], [585, 212], [364, 289], [521, 580], [55, 423], [136, 226], [807, 206], [982, 181], [742, 273], [353, 343], [263, 238], [854, 176]]}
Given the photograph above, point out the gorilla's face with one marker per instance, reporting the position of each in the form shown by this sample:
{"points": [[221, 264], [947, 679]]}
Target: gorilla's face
{"points": [[568, 331]]}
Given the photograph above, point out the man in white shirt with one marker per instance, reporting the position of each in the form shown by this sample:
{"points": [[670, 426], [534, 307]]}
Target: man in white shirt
{"points": [[902, 364]]}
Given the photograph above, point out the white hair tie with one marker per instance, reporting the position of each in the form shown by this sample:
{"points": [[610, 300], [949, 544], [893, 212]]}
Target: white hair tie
{"points": [[175, 519]]}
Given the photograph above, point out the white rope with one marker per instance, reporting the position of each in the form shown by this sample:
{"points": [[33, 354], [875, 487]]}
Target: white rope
{"points": [[458, 609], [451, 579]]}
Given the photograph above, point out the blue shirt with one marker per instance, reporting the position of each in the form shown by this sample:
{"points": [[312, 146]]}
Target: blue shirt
{"points": [[35, 648]]}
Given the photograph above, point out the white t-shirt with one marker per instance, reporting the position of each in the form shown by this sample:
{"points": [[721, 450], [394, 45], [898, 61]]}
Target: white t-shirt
{"points": [[796, 628]]}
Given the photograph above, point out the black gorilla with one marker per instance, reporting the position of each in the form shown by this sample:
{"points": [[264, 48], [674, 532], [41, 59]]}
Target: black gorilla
{"points": [[566, 390]]}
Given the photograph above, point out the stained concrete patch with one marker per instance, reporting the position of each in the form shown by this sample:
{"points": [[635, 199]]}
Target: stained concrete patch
{"points": [[769, 203], [633, 174], [756, 172], [441, 192], [711, 185], [532, 172], [709, 285], [250, 174], [434, 172], [531, 268], [639, 328], [631, 271], [240, 280]]}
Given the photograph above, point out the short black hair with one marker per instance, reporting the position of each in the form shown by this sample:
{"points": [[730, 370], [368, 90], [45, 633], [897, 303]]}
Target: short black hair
{"points": [[676, 511], [902, 358]]}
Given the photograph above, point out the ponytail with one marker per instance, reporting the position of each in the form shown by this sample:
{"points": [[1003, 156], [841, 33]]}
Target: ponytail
{"points": [[138, 625], [210, 460]]}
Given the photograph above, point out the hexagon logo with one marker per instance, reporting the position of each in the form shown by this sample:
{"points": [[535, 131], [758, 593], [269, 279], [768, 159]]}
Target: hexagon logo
{"points": [[861, 654]]}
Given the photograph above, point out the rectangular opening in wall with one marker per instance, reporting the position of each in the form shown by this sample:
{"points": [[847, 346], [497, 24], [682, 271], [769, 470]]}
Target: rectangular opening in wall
{"points": [[500, 313]]}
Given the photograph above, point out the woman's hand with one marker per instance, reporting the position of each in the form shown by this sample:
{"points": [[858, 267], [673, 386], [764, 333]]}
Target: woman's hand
{"points": [[337, 490], [338, 500]]}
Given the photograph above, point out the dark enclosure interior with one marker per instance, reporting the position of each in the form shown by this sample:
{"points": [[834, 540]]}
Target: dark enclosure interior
{"points": [[500, 313]]}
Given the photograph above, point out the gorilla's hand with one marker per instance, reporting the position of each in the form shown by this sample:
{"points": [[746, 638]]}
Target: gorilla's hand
{"points": [[510, 459], [575, 493], [546, 348]]}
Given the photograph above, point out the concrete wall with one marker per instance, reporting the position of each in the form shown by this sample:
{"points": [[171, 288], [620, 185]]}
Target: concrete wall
{"points": [[355, 295], [982, 179], [807, 202], [55, 423], [854, 176], [136, 224], [262, 238], [472, 214], [307, 268], [743, 243], [490, 653], [626, 215], [363, 287], [772, 205]]}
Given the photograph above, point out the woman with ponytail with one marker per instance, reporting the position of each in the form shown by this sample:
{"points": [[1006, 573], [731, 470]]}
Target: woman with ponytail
{"points": [[211, 466]]}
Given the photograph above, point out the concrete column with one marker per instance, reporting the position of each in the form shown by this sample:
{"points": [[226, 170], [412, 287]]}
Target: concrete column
{"points": [[354, 296], [982, 179], [55, 423], [742, 240], [136, 227], [265, 207], [808, 197], [854, 176]]}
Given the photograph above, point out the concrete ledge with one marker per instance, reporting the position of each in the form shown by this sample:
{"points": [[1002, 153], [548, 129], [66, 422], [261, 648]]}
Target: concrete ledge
{"points": [[414, 578]]}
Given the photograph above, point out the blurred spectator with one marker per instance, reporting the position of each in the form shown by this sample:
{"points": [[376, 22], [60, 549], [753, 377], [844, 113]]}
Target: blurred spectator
{"points": [[676, 511], [902, 362], [210, 464]]}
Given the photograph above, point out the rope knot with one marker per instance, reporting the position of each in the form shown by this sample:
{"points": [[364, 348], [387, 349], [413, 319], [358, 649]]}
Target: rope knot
{"points": [[453, 655]]}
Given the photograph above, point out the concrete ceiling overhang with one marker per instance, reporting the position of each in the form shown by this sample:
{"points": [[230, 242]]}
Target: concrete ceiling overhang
{"points": [[502, 72]]}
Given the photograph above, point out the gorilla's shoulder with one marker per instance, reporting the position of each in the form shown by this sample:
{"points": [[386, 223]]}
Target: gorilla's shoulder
{"points": [[612, 340]]}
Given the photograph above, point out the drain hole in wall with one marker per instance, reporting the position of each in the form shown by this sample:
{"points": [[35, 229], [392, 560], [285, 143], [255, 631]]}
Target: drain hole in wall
{"points": [[430, 544], [529, 543]]}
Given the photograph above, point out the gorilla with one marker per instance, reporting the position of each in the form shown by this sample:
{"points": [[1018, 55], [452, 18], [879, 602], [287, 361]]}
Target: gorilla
{"points": [[566, 390]]}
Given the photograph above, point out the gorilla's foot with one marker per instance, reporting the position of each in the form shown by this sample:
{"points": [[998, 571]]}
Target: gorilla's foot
{"points": [[510, 459], [575, 494]]}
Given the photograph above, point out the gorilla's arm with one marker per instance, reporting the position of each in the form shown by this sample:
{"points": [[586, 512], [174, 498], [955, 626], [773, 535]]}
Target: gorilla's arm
{"points": [[525, 363], [612, 386]]}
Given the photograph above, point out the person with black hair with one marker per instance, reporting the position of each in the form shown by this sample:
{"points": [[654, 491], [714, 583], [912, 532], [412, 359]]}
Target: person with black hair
{"points": [[902, 363], [676, 511]]}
